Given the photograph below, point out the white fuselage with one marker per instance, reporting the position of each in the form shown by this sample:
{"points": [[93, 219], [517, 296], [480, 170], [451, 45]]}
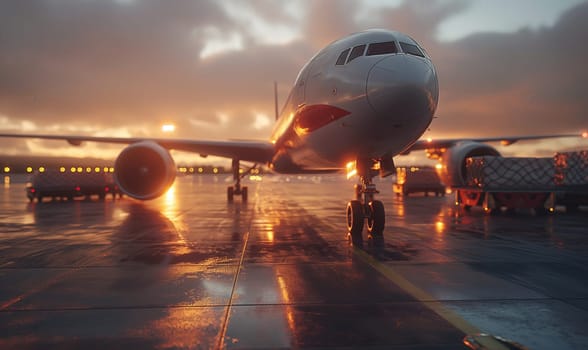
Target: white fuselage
{"points": [[368, 95]]}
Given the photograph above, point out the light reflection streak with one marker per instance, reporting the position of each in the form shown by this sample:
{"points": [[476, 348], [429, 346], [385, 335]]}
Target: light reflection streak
{"points": [[170, 211], [440, 227], [286, 299], [399, 207], [180, 327]]}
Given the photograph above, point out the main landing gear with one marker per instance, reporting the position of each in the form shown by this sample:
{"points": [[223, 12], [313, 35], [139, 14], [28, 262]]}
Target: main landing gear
{"points": [[237, 189], [364, 207]]}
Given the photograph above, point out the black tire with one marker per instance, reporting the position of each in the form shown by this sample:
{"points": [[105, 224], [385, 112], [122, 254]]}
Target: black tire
{"points": [[355, 219], [230, 193], [377, 218], [244, 194]]}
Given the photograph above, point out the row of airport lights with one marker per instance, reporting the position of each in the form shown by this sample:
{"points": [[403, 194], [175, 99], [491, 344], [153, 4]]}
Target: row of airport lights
{"points": [[73, 169], [186, 170], [62, 169]]}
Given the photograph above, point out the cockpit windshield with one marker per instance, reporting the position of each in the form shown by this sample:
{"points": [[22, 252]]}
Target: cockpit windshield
{"points": [[375, 49], [381, 48], [411, 49], [356, 52]]}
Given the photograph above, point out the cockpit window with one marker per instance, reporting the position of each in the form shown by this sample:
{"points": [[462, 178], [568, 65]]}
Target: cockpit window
{"points": [[381, 48], [342, 57], [411, 49], [356, 52]]}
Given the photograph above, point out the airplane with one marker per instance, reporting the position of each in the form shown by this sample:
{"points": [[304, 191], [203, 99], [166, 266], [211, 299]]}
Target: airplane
{"points": [[359, 102]]}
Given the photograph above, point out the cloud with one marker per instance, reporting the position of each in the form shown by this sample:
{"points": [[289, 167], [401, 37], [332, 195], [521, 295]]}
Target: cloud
{"points": [[530, 81]]}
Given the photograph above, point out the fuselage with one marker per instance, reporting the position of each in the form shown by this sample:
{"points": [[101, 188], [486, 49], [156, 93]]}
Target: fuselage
{"points": [[369, 95]]}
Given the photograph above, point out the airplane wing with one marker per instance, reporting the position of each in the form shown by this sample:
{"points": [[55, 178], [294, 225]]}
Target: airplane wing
{"points": [[506, 141], [251, 151]]}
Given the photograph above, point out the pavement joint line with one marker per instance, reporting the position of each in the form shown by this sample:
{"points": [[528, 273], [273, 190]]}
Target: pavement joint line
{"points": [[427, 300], [225, 323]]}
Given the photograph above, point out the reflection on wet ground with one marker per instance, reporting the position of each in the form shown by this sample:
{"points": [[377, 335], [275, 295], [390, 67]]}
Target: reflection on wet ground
{"points": [[189, 270]]}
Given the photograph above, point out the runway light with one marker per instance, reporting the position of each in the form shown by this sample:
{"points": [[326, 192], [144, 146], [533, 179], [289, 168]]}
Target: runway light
{"points": [[80, 169], [168, 128], [73, 169], [111, 169], [215, 170], [105, 169], [438, 166], [62, 169], [6, 169], [29, 169], [88, 170], [41, 169]]}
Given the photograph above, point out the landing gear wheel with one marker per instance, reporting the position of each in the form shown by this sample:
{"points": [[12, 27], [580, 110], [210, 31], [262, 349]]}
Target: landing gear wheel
{"points": [[355, 220], [244, 194], [230, 193], [376, 218]]}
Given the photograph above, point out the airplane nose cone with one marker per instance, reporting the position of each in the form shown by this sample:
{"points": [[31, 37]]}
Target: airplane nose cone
{"points": [[403, 86]]}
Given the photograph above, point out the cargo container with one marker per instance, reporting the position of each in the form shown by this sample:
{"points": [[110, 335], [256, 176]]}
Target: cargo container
{"points": [[418, 179], [69, 185], [496, 183]]}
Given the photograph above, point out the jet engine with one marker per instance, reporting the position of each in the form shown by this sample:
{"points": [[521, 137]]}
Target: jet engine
{"points": [[144, 170], [453, 172]]}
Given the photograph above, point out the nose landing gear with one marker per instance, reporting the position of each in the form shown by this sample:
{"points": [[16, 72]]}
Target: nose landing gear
{"points": [[365, 207]]}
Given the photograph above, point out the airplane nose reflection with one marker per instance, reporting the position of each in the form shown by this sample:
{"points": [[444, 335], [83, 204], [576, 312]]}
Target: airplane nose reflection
{"points": [[403, 86]]}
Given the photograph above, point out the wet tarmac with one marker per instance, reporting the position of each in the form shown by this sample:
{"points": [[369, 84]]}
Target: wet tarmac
{"points": [[191, 271]]}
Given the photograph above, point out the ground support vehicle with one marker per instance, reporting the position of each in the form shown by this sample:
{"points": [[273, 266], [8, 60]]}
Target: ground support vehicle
{"points": [[502, 183], [58, 184], [418, 179]]}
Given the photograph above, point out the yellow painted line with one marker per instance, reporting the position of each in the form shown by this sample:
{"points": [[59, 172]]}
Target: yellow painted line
{"points": [[430, 302]]}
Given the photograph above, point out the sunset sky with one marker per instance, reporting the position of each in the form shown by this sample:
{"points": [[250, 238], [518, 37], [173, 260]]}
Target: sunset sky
{"points": [[124, 68]]}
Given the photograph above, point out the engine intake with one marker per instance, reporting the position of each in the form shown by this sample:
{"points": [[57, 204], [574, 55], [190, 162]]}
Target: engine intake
{"points": [[144, 170], [453, 172]]}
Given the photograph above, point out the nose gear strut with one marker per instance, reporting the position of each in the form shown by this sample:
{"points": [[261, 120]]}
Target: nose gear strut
{"points": [[237, 189], [364, 207]]}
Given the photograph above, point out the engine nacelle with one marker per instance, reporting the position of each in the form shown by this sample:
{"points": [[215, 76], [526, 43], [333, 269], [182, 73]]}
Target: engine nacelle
{"points": [[453, 171], [144, 170]]}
